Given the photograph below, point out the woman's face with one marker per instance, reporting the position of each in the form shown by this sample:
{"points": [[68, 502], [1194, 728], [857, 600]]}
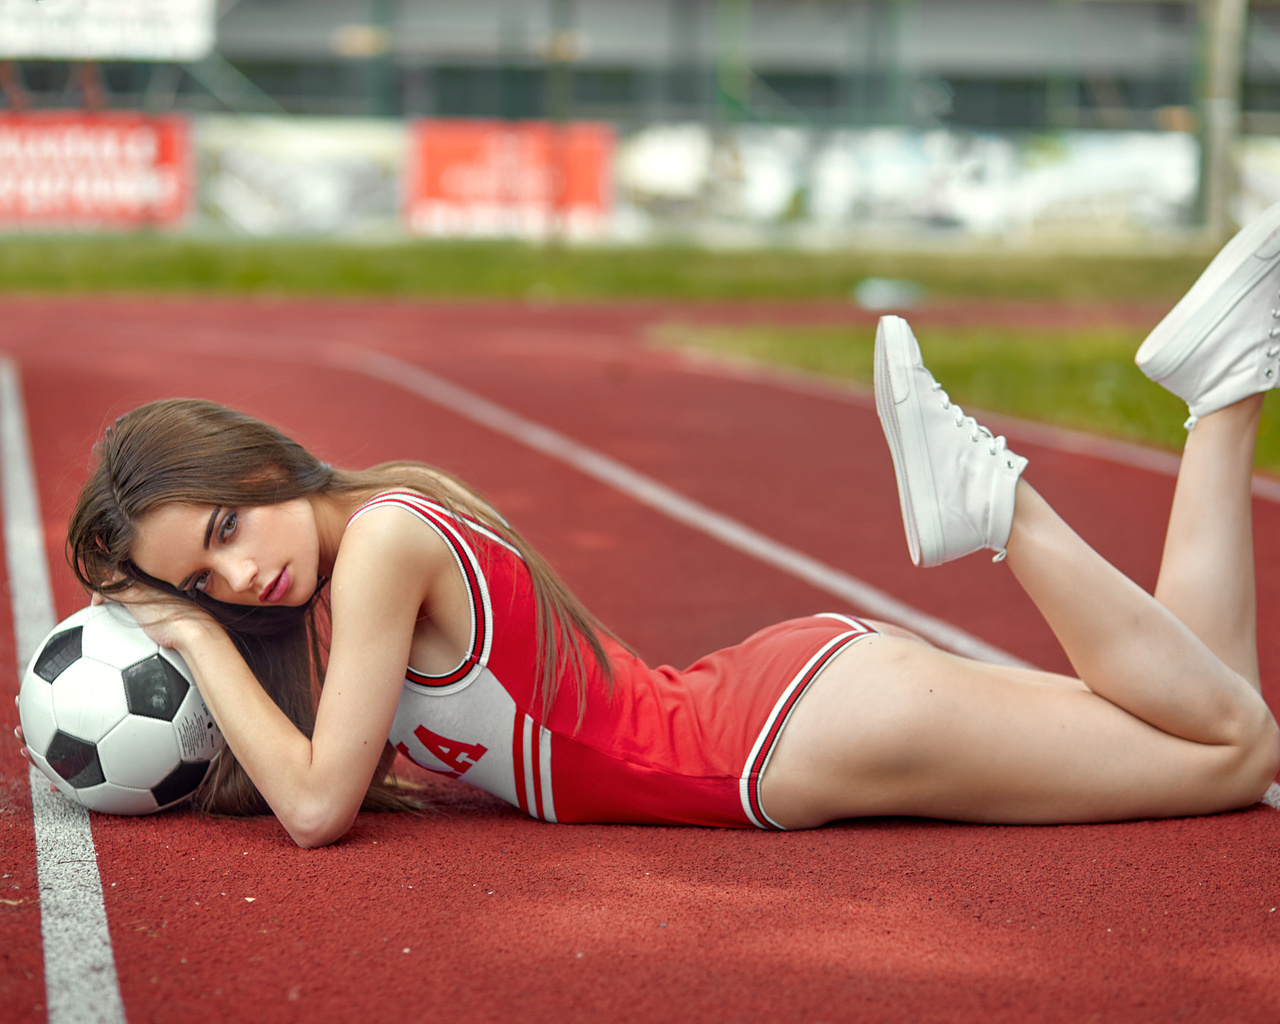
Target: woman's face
{"points": [[257, 556]]}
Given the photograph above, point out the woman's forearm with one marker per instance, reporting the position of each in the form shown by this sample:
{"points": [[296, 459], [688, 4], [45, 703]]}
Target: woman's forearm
{"points": [[277, 756]]}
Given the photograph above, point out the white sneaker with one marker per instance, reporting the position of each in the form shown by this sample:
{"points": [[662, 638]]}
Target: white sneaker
{"points": [[956, 482], [1221, 342]]}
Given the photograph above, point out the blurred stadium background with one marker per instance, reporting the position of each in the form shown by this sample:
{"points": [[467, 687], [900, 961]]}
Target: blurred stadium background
{"points": [[1083, 155], [814, 123]]}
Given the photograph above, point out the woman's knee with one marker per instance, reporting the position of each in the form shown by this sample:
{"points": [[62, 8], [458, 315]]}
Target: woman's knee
{"points": [[1260, 759], [1244, 767]]}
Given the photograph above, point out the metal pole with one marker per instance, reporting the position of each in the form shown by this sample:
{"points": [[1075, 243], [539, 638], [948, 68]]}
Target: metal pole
{"points": [[889, 81], [853, 81], [380, 66], [512, 65], [1063, 77], [733, 60], [685, 97], [563, 52], [1222, 26]]}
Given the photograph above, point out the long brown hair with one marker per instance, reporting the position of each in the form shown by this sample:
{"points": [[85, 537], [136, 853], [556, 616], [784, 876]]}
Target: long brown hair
{"points": [[197, 452]]}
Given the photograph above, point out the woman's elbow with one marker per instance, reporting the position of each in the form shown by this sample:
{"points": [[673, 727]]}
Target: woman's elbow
{"points": [[319, 824]]}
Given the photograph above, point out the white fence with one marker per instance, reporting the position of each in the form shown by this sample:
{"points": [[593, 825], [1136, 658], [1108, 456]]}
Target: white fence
{"points": [[365, 178]]}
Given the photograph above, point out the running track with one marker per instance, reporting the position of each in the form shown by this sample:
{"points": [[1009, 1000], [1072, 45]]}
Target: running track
{"points": [[689, 503]]}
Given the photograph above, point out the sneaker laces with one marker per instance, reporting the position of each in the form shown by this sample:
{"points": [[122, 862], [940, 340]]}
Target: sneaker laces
{"points": [[996, 442]]}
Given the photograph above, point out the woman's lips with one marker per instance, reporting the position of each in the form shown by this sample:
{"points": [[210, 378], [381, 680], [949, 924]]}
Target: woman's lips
{"points": [[279, 587]]}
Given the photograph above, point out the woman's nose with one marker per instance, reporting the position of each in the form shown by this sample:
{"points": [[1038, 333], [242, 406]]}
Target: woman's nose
{"points": [[241, 575]]}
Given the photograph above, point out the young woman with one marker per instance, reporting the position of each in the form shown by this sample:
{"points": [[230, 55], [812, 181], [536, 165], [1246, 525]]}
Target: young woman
{"points": [[441, 635]]}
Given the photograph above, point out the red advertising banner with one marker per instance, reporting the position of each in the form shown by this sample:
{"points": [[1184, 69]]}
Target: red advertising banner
{"points": [[76, 170], [527, 179]]}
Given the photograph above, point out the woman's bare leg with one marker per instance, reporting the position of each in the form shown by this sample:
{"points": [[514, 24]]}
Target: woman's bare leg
{"points": [[1207, 572], [1218, 349], [895, 727], [1158, 723], [1124, 645]]}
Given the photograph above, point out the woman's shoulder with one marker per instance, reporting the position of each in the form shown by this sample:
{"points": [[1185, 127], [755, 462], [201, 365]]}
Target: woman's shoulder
{"points": [[380, 529], [383, 517]]}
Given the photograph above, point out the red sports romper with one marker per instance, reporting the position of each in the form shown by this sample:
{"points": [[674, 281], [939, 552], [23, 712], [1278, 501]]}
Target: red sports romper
{"points": [[665, 747]]}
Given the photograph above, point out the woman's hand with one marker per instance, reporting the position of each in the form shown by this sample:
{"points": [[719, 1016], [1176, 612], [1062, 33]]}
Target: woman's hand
{"points": [[22, 740], [166, 619]]}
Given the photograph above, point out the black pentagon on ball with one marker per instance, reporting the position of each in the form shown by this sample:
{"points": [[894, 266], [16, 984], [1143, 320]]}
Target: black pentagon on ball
{"points": [[61, 650], [153, 688], [180, 782], [75, 760]]}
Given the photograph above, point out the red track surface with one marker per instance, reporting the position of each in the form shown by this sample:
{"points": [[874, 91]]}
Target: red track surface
{"points": [[480, 914]]}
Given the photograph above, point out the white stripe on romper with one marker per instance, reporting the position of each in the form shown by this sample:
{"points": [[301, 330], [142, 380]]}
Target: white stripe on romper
{"points": [[768, 730], [544, 774], [526, 754], [537, 776]]}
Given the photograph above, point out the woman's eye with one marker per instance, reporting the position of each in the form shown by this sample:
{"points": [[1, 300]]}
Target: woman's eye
{"points": [[229, 523], [200, 582]]}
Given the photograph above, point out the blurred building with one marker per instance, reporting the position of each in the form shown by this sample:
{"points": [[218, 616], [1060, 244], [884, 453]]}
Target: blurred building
{"points": [[734, 121], [994, 64]]}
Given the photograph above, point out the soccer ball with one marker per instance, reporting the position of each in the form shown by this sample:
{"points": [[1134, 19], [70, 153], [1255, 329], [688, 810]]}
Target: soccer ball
{"points": [[114, 720]]}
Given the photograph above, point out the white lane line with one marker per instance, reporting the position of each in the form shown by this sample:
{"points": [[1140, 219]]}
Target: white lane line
{"points": [[79, 964], [872, 601]]}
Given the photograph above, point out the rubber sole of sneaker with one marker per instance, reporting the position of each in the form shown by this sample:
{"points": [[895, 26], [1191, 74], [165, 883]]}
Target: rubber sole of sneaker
{"points": [[898, 404], [1232, 274]]}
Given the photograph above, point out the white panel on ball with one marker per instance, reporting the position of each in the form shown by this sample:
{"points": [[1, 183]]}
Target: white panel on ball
{"points": [[111, 799], [114, 637], [139, 752], [86, 701], [35, 711]]}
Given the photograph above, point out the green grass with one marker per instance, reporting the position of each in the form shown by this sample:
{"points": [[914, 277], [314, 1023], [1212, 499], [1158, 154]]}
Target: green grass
{"points": [[1080, 379], [502, 270], [1085, 380]]}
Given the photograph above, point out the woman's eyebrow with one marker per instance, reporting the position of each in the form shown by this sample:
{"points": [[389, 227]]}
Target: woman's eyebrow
{"points": [[208, 536], [208, 530]]}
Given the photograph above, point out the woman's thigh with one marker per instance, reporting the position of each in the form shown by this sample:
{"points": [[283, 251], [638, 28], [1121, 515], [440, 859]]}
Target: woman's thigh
{"points": [[896, 727]]}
